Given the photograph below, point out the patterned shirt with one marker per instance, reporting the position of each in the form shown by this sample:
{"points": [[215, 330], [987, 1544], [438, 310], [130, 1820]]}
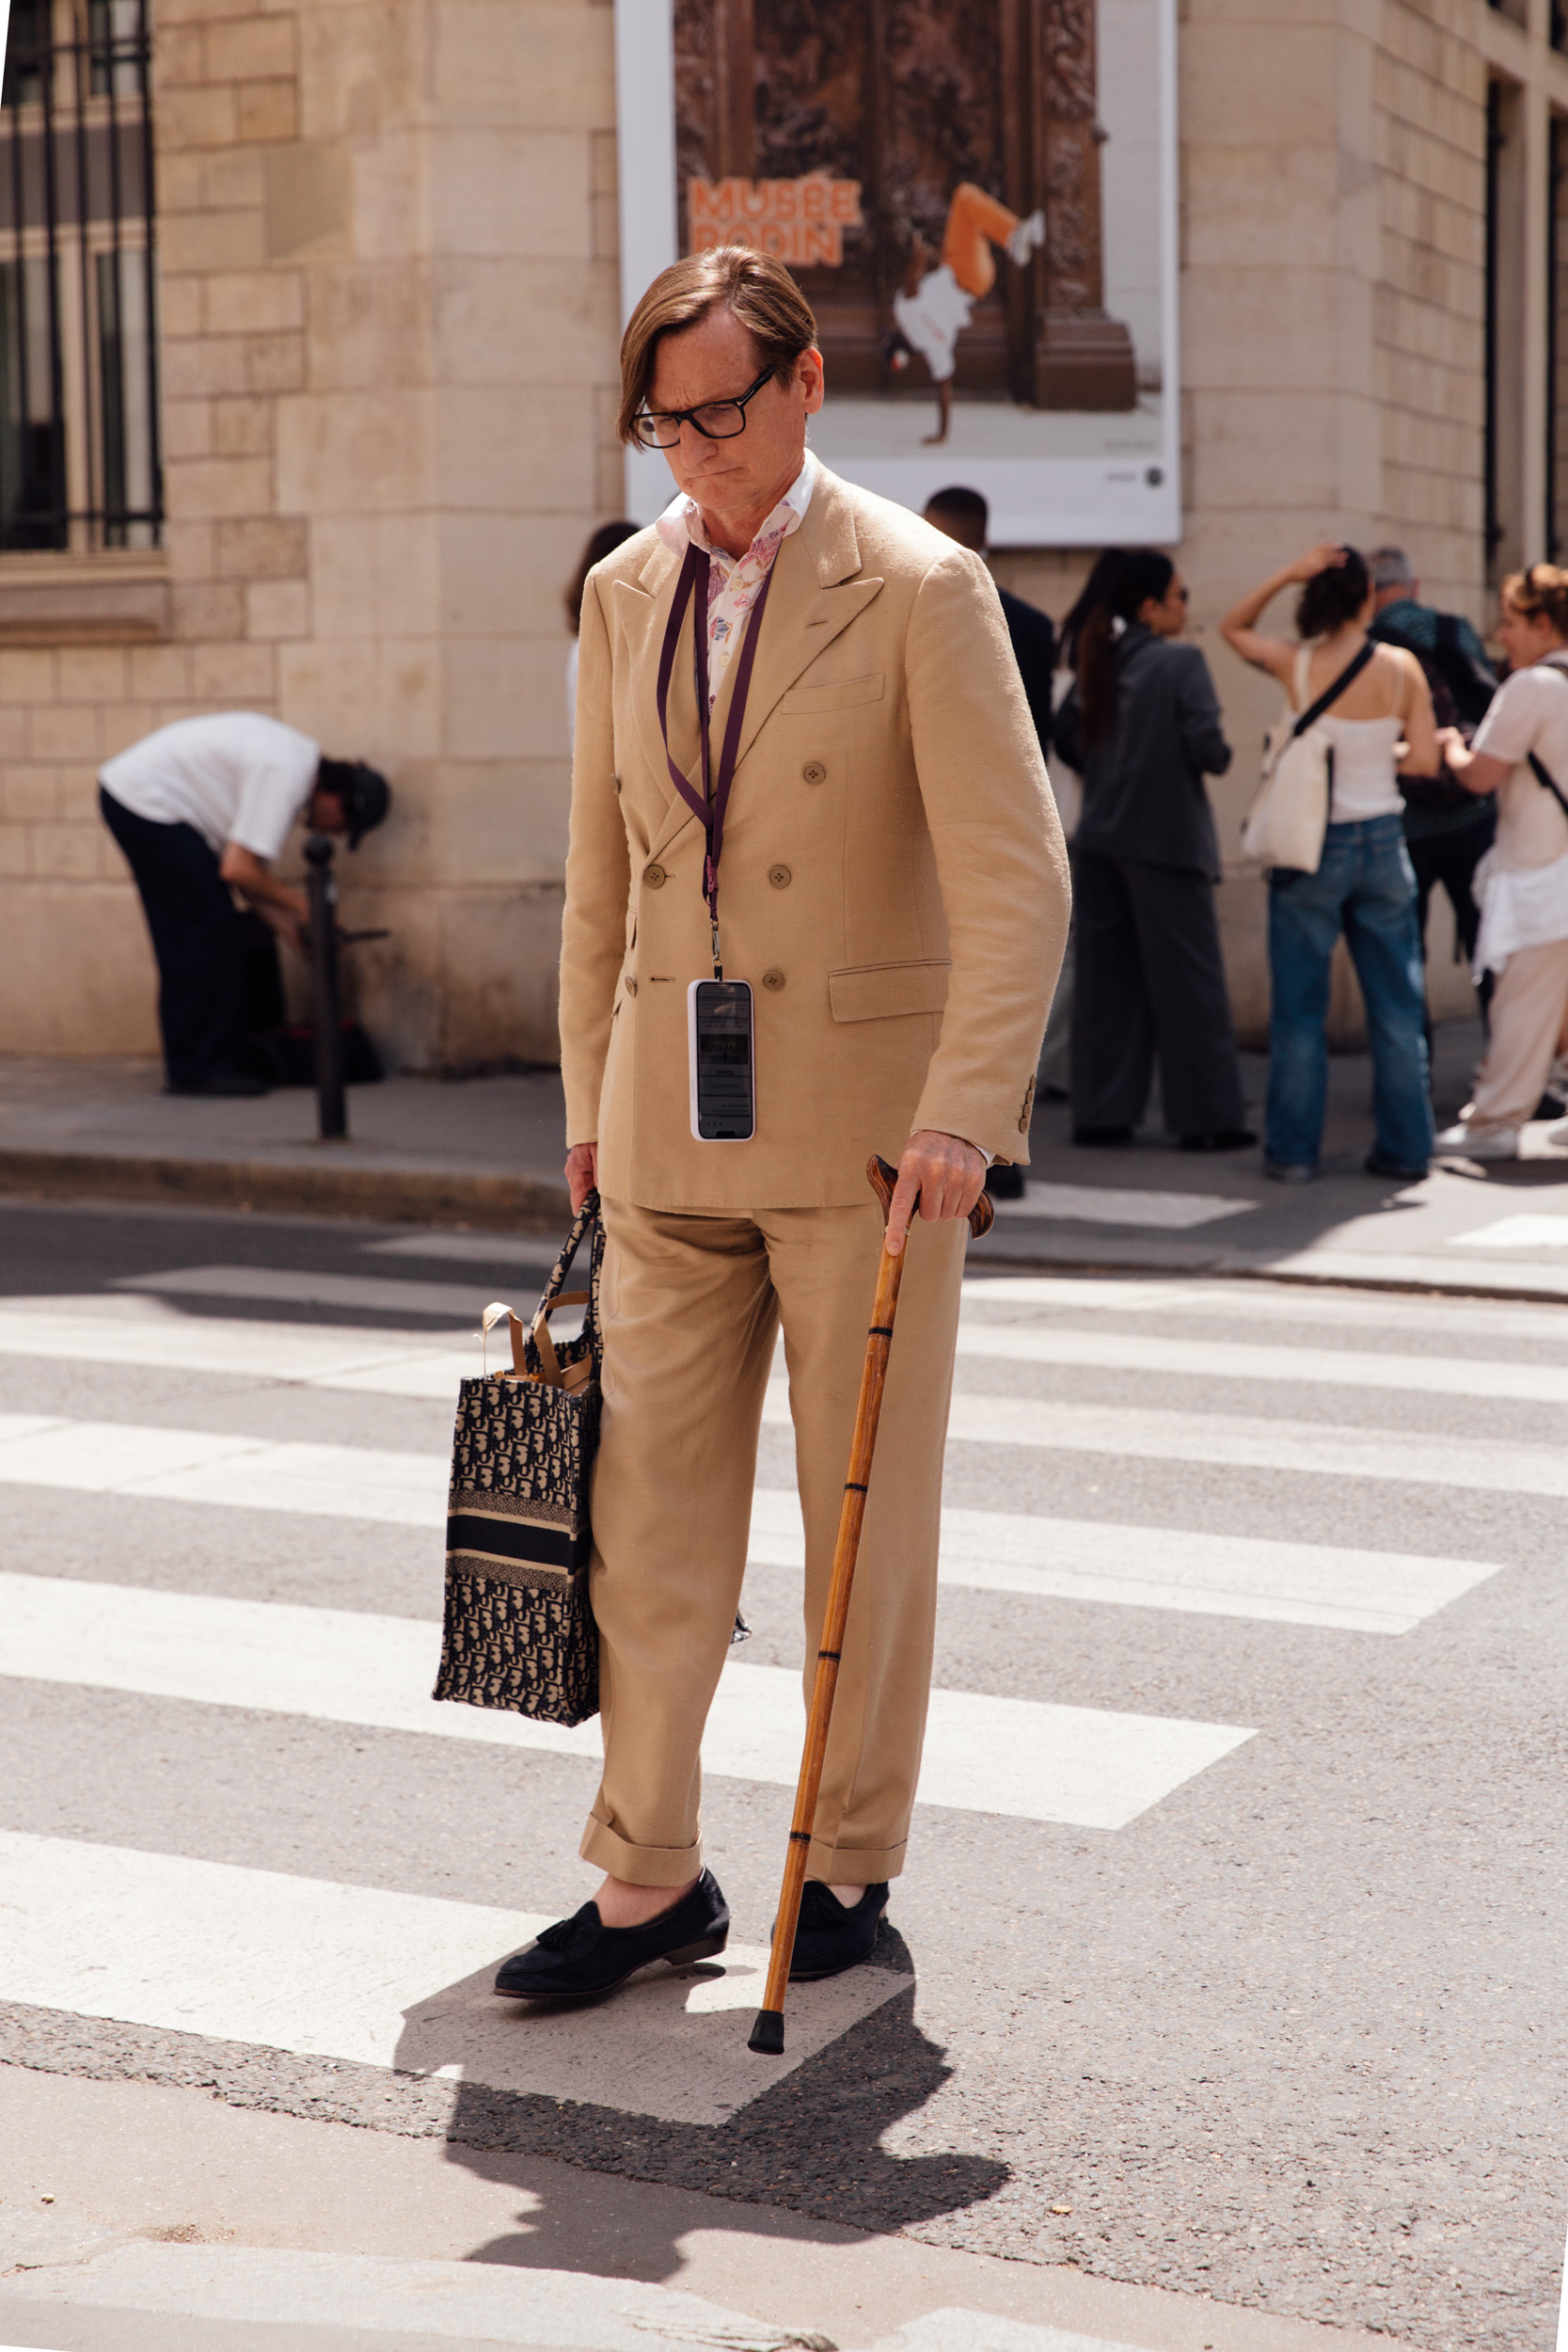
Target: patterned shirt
{"points": [[734, 582]]}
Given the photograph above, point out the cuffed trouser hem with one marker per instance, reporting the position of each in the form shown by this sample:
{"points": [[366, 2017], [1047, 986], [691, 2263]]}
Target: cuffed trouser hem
{"points": [[854, 1865], [640, 1865]]}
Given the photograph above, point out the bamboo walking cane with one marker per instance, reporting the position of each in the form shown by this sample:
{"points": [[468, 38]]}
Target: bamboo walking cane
{"points": [[768, 2033]]}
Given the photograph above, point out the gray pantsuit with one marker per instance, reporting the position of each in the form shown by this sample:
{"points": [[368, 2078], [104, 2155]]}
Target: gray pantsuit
{"points": [[1150, 981]]}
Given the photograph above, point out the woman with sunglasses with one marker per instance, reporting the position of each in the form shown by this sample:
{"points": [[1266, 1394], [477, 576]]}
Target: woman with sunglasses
{"points": [[1146, 859]]}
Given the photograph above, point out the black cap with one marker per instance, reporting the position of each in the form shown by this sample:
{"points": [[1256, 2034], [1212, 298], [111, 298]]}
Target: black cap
{"points": [[365, 793]]}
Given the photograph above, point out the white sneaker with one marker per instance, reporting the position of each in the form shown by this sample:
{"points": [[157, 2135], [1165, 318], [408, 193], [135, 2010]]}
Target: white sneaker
{"points": [[1468, 1143], [1025, 237]]}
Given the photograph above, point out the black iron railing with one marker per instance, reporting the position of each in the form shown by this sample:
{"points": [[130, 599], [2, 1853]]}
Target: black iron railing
{"points": [[79, 457]]}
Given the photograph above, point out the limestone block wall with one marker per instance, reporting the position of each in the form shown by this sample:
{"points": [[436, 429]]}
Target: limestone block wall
{"points": [[389, 324]]}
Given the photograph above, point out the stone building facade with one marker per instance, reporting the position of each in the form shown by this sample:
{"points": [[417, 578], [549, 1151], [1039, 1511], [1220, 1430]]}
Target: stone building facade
{"points": [[387, 317]]}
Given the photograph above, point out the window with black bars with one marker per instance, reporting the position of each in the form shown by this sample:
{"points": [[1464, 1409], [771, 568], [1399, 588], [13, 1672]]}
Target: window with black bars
{"points": [[79, 462]]}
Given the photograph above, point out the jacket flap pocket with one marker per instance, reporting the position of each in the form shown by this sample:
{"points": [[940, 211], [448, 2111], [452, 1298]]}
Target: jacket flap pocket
{"points": [[873, 991], [837, 693]]}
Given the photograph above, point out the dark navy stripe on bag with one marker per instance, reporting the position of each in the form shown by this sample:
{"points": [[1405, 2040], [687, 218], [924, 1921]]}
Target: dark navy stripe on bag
{"points": [[514, 1539]]}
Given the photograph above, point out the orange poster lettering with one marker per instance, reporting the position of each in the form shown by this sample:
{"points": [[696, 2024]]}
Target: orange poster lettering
{"points": [[799, 221]]}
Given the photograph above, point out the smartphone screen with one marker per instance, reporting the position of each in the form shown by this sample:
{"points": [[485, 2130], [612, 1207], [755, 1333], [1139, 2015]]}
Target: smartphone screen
{"points": [[723, 1100]]}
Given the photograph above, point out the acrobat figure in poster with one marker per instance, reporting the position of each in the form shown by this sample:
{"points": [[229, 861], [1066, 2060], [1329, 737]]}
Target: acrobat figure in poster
{"points": [[935, 304]]}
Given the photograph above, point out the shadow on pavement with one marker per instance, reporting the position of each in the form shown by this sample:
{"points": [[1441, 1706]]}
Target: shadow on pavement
{"points": [[810, 2145]]}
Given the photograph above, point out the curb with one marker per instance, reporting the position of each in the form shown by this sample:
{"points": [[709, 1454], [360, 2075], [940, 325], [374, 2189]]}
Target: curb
{"points": [[395, 1196]]}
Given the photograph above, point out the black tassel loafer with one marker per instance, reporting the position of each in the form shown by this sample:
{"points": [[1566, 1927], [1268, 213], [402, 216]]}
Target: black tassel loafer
{"points": [[580, 1958], [830, 1938]]}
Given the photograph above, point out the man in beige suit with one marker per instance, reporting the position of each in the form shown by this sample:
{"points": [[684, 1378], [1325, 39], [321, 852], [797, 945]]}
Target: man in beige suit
{"points": [[893, 884]]}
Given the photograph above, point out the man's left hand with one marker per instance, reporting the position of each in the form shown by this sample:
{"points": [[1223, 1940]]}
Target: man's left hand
{"points": [[946, 1173]]}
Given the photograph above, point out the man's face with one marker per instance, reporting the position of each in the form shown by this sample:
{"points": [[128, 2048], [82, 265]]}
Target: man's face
{"points": [[324, 812], [716, 360]]}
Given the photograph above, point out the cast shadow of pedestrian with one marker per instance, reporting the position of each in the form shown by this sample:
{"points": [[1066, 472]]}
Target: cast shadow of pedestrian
{"points": [[801, 2159]]}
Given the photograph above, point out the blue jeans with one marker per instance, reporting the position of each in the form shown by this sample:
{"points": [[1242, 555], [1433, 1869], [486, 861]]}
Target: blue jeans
{"points": [[1366, 888]]}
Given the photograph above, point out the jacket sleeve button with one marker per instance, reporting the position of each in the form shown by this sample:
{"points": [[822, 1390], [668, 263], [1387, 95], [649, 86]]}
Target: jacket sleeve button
{"points": [[774, 978], [814, 772], [654, 877], [780, 877]]}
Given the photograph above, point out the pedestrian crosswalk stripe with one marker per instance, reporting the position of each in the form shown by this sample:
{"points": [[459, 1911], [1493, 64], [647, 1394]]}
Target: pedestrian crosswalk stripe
{"points": [[1104, 1204], [1001, 1551], [417, 1365], [1241, 1441], [369, 1293], [1225, 1359], [1161, 1567], [1260, 1301], [533, 1254], [1089, 1767], [385, 1979]]}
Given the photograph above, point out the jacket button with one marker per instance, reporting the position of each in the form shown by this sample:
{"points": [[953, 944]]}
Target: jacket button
{"points": [[631, 988], [814, 772], [780, 877], [774, 978], [655, 876]]}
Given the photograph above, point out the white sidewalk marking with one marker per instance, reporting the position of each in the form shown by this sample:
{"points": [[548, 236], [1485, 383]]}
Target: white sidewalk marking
{"points": [[1226, 1359], [1100, 1205], [1515, 1232], [392, 1488], [385, 1979], [1089, 1767], [537, 1254], [1253, 1301], [1241, 1442], [1161, 1567]]}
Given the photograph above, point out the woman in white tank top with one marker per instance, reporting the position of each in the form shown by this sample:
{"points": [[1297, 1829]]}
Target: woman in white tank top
{"points": [[1378, 724]]}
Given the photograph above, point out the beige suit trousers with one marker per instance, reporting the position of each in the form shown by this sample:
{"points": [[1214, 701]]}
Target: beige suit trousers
{"points": [[692, 1306], [1526, 1021]]}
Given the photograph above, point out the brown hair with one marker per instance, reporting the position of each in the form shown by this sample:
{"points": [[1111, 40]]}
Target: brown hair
{"points": [[603, 542], [757, 289], [1333, 597], [1543, 589], [1125, 585]]}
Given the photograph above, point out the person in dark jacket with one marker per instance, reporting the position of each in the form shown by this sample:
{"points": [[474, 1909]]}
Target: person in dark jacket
{"points": [[964, 516], [1143, 728]]}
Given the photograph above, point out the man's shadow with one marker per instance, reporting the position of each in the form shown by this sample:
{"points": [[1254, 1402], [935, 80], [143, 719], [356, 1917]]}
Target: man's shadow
{"points": [[803, 2160]]}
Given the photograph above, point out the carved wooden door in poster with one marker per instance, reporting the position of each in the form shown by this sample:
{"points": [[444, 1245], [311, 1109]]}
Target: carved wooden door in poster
{"points": [[835, 133]]}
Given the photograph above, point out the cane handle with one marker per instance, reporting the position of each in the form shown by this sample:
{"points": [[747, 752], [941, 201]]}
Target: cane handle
{"points": [[881, 1178]]}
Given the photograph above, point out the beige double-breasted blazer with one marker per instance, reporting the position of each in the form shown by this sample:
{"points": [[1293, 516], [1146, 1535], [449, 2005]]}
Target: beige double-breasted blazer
{"points": [[893, 883]]}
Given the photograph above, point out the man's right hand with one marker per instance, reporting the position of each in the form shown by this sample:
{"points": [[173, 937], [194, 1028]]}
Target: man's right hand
{"points": [[582, 1172]]}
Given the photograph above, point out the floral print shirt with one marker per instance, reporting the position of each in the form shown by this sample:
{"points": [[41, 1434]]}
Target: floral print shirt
{"points": [[734, 582]]}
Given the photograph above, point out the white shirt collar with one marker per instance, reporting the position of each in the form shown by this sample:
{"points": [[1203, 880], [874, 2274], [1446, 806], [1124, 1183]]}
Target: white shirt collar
{"points": [[681, 523]]}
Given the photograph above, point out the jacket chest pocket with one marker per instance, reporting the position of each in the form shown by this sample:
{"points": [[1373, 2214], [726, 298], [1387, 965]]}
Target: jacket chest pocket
{"points": [[839, 693]]}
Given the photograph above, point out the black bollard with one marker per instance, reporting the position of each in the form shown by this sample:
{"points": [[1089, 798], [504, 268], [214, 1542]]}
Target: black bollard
{"points": [[331, 1108]]}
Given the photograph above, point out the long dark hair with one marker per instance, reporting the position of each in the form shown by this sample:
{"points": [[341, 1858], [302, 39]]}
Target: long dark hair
{"points": [[604, 542], [1333, 595], [1136, 576]]}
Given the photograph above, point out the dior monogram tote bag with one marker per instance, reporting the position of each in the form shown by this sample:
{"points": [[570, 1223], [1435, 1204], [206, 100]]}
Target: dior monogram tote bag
{"points": [[518, 1633]]}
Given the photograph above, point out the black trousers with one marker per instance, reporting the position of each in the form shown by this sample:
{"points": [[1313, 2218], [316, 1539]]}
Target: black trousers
{"points": [[1451, 859], [1150, 983], [197, 940]]}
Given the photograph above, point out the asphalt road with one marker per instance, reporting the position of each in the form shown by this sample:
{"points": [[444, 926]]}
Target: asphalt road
{"points": [[1261, 2001]]}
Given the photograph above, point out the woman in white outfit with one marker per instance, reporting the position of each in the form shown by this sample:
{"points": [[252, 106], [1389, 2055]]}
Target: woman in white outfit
{"points": [[1521, 753]]}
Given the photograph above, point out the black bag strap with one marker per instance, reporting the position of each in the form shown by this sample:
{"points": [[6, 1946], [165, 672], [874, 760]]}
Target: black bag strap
{"points": [[1544, 775], [1351, 671]]}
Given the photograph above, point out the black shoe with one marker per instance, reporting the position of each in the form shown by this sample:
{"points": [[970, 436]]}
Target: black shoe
{"points": [[1102, 1135], [1376, 1165], [580, 1958], [1549, 1107], [227, 1083], [1220, 1139], [829, 1939], [1004, 1182]]}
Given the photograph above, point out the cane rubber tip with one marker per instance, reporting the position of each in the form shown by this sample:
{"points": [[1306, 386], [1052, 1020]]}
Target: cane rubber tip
{"points": [[768, 2033]]}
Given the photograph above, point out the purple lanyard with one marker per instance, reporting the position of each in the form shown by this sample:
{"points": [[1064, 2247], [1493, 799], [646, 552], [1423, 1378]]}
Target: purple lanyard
{"points": [[715, 795]]}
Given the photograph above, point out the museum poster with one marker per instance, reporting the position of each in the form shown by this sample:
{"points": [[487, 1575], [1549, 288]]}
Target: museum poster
{"points": [[978, 198]]}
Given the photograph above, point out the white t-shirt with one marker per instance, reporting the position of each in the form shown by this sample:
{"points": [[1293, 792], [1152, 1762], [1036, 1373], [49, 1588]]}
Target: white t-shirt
{"points": [[1529, 713], [933, 319], [235, 776]]}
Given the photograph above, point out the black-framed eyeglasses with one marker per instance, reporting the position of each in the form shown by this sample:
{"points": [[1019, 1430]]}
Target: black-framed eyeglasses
{"points": [[716, 420]]}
